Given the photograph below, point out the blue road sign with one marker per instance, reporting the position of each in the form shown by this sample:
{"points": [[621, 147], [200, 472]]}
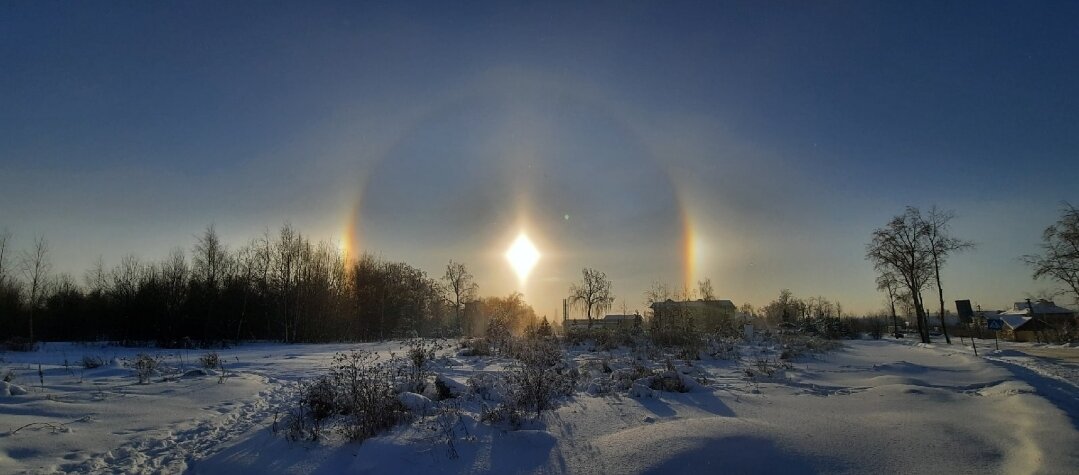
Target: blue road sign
{"points": [[995, 324]]}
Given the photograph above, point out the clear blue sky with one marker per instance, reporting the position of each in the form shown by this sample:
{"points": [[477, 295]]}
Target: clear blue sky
{"points": [[783, 132]]}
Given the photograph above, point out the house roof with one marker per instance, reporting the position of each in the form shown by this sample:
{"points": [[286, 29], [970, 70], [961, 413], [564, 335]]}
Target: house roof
{"points": [[1041, 307], [696, 304], [1021, 323], [613, 318], [1014, 322]]}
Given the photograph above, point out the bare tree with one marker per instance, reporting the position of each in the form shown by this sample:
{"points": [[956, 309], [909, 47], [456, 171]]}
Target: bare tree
{"points": [[906, 305], [902, 248], [782, 309], [5, 237], [593, 292], [704, 288], [658, 292], [1059, 257], [941, 246], [460, 287], [210, 259], [174, 282], [96, 278], [35, 267], [287, 256], [888, 283]]}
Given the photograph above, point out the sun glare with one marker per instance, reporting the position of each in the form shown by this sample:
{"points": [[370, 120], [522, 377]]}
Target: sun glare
{"points": [[523, 256]]}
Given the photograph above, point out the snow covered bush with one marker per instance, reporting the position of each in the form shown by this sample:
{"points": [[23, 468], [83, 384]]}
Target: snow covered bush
{"points": [[722, 348], [646, 382], [145, 366], [210, 360], [91, 362], [679, 333], [366, 394], [668, 381], [442, 388], [763, 366], [621, 379], [315, 404], [498, 335], [534, 388], [534, 383], [604, 339], [420, 353], [475, 347], [9, 389], [360, 396], [796, 345], [487, 386]]}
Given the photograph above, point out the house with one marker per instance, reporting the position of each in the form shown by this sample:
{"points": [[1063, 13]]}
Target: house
{"points": [[705, 314], [1044, 310], [608, 321], [1022, 328]]}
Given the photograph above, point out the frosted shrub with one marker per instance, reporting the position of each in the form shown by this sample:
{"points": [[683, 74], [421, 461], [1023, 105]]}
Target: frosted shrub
{"points": [[722, 348], [668, 381], [486, 386], [534, 383], [534, 388], [605, 339], [365, 394], [359, 396], [475, 347], [623, 378], [145, 365], [797, 345], [316, 403], [91, 362], [763, 366], [210, 360], [420, 353]]}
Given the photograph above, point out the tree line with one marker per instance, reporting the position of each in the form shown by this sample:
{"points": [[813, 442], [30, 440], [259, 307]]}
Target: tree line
{"points": [[278, 286]]}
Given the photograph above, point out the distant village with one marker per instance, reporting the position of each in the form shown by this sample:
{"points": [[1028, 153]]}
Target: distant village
{"points": [[1029, 320]]}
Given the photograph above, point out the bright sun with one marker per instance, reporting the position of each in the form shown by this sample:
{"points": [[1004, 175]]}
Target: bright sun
{"points": [[523, 256]]}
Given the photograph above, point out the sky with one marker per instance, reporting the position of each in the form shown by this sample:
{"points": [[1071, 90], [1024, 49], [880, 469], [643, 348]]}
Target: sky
{"points": [[757, 144]]}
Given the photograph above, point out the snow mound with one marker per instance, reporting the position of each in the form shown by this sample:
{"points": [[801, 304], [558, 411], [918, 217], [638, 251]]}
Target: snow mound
{"points": [[1007, 388], [714, 444], [455, 388], [198, 373], [9, 389], [416, 403]]}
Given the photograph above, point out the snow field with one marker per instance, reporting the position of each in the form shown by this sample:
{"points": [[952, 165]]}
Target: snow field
{"points": [[870, 406]]}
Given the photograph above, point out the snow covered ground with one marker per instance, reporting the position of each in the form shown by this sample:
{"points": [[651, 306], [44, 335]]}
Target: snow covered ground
{"points": [[871, 406]]}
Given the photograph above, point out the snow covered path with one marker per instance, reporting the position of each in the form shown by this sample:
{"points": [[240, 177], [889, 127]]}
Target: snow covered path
{"points": [[872, 406]]}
